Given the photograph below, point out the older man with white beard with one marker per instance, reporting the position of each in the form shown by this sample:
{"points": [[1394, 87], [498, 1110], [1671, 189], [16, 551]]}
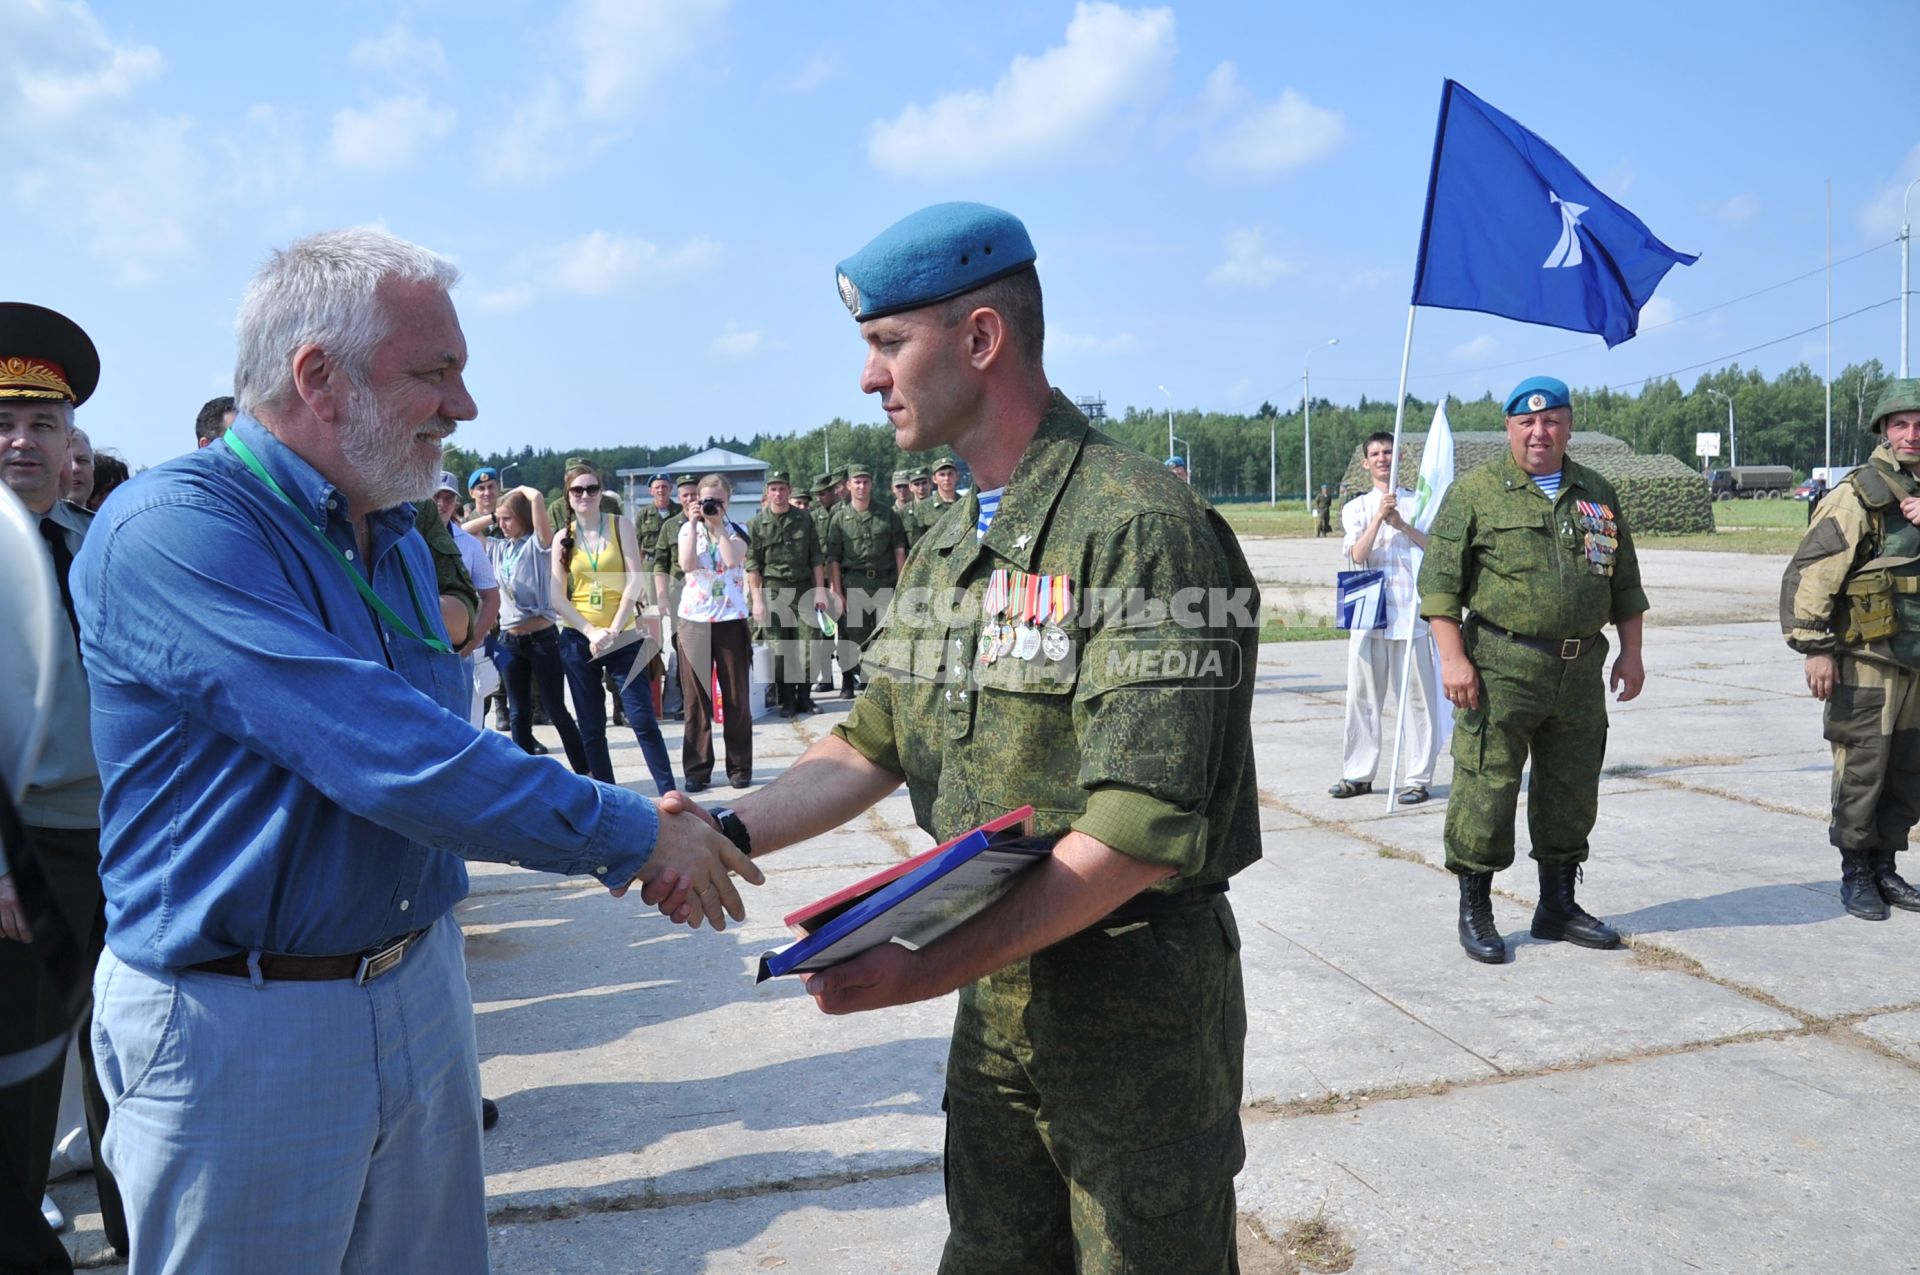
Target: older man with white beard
{"points": [[290, 789]]}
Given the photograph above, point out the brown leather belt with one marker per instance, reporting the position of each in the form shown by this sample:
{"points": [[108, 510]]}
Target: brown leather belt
{"points": [[1565, 648], [279, 967]]}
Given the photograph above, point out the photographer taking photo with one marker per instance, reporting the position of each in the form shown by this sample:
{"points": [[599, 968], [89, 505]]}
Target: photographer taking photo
{"points": [[714, 635]]}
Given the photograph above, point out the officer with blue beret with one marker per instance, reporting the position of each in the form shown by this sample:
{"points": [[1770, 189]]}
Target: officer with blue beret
{"points": [[1528, 560], [1083, 1122]]}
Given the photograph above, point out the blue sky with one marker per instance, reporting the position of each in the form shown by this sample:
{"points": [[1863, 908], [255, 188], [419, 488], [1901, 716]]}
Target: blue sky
{"points": [[648, 198]]}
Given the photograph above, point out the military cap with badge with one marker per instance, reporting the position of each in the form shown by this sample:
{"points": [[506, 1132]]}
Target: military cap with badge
{"points": [[63, 365]]}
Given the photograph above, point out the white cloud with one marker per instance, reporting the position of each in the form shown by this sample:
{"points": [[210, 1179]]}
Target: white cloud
{"points": [[1368, 280], [388, 134], [1268, 137], [1480, 347], [398, 51], [1656, 313], [1740, 208], [1248, 264], [818, 70], [1881, 218], [56, 62], [734, 343], [624, 45], [1042, 106], [1065, 341], [597, 264], [615, 52]]}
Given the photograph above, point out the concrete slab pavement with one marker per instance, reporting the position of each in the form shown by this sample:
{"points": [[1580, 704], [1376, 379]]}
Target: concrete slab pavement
{"points": [[1737, 1094]]}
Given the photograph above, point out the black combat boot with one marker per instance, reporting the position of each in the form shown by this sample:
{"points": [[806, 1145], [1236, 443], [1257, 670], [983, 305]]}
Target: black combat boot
{"points": [[1893, 888], [784, 693], [1478, 934], [500, 721], [803, 698], [848, 686], [1559, 917], [1859, 891]]}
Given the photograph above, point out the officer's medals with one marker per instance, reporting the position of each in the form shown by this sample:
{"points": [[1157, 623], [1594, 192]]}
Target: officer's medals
{"points": [[1600, 536], [993, 602], [1054, 642], [1026, 641]]}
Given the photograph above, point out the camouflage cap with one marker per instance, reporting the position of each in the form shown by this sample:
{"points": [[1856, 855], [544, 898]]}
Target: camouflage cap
{"points": [[823, 483], [1901, 395], [574, 462], [778, 476], [922, 474], [945, 462], [901, 478], [840, 475], [686, 480], [859, 471]]}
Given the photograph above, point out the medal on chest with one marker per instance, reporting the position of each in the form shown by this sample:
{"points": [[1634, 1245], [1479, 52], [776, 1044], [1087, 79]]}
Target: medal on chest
{"points": [[1600, 536], [1026, 640], [993, 605], [1057, 592]]}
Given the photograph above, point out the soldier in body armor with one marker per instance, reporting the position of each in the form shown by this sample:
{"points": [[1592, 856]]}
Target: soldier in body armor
{"points": [[1850, 603]]}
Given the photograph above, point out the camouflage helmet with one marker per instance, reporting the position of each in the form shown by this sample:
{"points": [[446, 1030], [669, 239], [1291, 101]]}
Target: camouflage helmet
{"points": [[1901, 395]]}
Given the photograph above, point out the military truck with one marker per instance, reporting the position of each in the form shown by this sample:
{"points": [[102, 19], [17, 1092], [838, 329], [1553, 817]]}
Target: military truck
{"points": [[1750, 482]]}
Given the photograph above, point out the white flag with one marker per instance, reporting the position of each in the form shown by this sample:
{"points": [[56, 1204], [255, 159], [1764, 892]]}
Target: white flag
{"points": [[1436, 470]]}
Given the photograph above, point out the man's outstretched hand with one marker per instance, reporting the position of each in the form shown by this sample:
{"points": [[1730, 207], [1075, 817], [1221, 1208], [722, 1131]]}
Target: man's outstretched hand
{"points": [[689, 875]]}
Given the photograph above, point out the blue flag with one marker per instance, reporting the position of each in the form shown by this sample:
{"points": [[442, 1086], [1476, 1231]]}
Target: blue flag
{"points": [[1513, 229]]}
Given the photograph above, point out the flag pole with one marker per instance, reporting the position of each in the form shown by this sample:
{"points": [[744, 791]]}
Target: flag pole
{"points": [[1393, 484]]}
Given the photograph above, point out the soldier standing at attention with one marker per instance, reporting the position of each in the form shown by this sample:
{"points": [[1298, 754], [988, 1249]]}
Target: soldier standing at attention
{"points": [[866, 547], [902, 493], [826, 494], [920, 481], [783, 562], [1851, 604], [1323, 512], [1094, 1085], [1532, 548], [646, 530]]}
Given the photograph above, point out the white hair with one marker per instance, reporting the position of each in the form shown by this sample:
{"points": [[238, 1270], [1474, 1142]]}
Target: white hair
{"points": [[320, 291]]}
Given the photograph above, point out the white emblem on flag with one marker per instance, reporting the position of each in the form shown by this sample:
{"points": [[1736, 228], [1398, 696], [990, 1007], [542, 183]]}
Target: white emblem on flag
{"points": [[1567, 251]]}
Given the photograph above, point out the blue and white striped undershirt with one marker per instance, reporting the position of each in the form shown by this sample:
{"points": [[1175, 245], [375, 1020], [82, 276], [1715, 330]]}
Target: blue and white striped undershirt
{"points": [[989, 506], [1549, 483]]}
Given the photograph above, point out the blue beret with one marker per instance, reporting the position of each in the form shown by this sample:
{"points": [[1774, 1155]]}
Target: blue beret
{"points": [[1181, 461], [931, 255], [661, 477], [485, 471], [1537, 394]]}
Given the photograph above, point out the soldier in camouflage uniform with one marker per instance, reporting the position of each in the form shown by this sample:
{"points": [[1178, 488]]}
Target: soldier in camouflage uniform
{"points": [[646, 531], [1094, 1086], [668, 579], [784, 562], [921, 481], [826, 494], [1851, 604], [1323, 511], [902, 494], [866, 547], [1532, 548]]}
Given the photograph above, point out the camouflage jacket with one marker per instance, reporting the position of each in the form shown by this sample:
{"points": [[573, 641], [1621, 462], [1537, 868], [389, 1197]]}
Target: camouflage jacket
{"points": [[783, 546], [450, 576], [666, 546], [1131, 723], [1841, 540], [1555, 569], [865, 541], [646, 532]]}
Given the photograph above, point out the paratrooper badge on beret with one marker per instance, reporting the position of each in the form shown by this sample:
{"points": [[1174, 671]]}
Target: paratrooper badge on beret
{"points": [[1538, 394]]}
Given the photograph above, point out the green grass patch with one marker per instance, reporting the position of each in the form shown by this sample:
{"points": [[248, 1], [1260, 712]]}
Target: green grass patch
{"points": [[1257, 518], [1277, 629]]}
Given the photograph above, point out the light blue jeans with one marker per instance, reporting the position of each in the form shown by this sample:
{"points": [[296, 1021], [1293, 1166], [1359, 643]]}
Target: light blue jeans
{"points": [[300, 1128]]}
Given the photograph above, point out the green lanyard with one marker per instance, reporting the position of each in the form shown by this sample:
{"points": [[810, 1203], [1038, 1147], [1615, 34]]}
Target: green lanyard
{"points": [[372, 599]]}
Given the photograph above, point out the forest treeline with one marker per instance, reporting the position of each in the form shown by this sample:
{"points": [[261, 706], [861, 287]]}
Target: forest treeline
{"points": [[1778, 421]]}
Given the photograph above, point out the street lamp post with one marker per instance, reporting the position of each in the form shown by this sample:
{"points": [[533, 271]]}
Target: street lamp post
{"points": [[1733, 441], [1163, 390], [1306, 416], [1906, 277]]}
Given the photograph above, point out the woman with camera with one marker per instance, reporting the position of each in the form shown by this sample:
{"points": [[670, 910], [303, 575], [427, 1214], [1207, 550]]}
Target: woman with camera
{"points": [[597, 570], [529, 640], [714, 637]]}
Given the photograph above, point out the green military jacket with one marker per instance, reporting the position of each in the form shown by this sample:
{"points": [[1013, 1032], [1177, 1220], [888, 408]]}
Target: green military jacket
{"points": [[666, 546], [924, 516], [1132, 724], [1847, 533], [449, 568], [783, 547], [646, 531], [865, 541], [1555, 569]]}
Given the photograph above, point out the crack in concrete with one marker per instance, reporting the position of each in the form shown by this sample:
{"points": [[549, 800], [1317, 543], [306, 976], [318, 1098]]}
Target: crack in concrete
{"points": [[652, 1199], [1466, 1049]]}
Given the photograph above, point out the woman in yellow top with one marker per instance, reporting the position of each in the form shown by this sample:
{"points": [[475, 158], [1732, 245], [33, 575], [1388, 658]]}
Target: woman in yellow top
{"points": [[597, 569]]}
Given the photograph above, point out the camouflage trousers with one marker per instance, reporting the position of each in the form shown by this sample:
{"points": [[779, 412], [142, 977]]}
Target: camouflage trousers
{"points": [[1873, 722], [868, 595], [786, 630], [1093, 1105], [1530, 703]]}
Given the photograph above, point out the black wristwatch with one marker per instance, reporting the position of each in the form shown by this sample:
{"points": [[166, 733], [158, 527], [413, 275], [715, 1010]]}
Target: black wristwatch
{"points": [[734, 830]]}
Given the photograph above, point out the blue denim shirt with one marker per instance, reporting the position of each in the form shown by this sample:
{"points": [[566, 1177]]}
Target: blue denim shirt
{"points": [[282, 771]]}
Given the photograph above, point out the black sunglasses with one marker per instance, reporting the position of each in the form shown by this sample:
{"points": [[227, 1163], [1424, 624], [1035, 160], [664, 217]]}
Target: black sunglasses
{"points": [[586, 491]]}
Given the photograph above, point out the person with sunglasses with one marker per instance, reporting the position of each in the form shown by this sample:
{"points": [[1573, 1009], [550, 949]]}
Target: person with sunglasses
{"points": [[529, 644], [597, 575]]}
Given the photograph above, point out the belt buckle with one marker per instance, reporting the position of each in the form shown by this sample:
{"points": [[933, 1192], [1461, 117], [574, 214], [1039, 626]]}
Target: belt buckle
{"points": [[1570, 648], [374, 964]]}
